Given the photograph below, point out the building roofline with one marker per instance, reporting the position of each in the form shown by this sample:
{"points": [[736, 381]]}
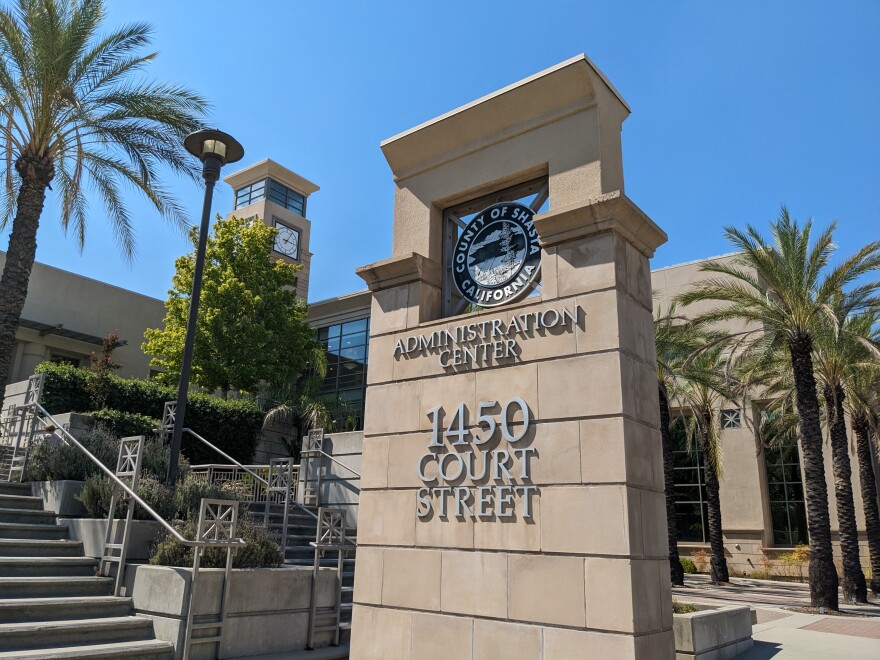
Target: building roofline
{"points": [[696, 261], [92, 279]]}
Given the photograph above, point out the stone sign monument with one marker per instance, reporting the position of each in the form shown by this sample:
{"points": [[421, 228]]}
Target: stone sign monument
{"points": [[512, 496]]}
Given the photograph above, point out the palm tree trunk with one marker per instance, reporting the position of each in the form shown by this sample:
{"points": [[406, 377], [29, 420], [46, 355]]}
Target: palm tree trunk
{"points": [[854, 588], [718, 562], [869, 496], [35, 177], [676, 570], [823, 575]]}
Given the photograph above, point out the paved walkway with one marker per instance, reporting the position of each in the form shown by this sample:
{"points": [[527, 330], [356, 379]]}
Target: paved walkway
{"points": [[782, 634]]}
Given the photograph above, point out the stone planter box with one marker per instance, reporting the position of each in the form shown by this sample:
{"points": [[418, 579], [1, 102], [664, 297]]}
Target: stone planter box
{"points": [[91, 531], [268, 608], [60, 497], [712, 633]]}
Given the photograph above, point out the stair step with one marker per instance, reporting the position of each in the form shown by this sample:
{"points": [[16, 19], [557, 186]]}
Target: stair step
{"points": [[8, 515], [35, 587], [148, 649], [27, 502], [47, 634], [32, 531], [56, 609], [14, 488], [40, 548], [47, 566]]}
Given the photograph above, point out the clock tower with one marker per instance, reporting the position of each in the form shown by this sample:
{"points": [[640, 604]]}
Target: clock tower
{"points": [[278, 197]]}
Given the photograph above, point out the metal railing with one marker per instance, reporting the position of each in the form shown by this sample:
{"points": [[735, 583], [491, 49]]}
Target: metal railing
{"points": [[216, 527]]}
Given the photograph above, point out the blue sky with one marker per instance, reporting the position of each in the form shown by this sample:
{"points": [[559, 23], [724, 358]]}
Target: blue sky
{"points": [[736, 109]]}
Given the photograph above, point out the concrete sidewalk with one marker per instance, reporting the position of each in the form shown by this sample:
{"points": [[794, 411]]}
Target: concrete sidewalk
{"points": [[782, 634]]}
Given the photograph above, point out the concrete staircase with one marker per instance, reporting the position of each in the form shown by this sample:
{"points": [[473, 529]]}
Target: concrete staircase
{"points": [[301, 530], [52, 603]]}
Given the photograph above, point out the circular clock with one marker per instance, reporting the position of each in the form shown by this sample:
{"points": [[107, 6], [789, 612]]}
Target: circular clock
{"points": [[287, 241]]}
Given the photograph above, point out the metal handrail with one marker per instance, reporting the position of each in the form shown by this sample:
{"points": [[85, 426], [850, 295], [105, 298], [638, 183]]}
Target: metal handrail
{"points": [[265, 482], [134, 496], [326, 455]]}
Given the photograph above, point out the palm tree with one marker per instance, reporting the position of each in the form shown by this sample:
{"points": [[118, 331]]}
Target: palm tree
{"points": [[675, 340], [785, 289], [73, 114], [703, 387], [863, 405], [841, 356]]}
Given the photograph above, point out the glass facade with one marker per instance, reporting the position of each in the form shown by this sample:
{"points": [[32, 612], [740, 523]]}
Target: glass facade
{"points": [[785, 491], [347, 345], [691, 507], [280, 194]]}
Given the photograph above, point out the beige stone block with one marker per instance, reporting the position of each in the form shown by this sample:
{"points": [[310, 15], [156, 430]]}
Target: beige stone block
{"points": [[392, 408], [381, 360], [424, 304], [612, 520], [638, 276], [380, 634], [446, 392], [636, 605], [404, 454], [516, 533], [494, 640], [374, 462], [502, 385], [474, 583], [564, 528], [449, 532], [579, 387], [549, 276], [603, 450], [654, 529], [658, 646], [438, 637], [564, 644], [368, 575], [586, 265], [546, 343], [387, 517], [557, 456], [388, 311], [639, 386], [546, 589], [599, 330], [636, 329], [412, 578], [644, 456]]}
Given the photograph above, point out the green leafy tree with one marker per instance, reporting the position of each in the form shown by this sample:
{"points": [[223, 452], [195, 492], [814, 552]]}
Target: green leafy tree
{"points": [[77, 113], [786, 288], [251, 327]]}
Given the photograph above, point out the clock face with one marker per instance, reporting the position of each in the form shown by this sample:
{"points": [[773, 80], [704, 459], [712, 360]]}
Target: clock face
{"points": [[287, 241]]}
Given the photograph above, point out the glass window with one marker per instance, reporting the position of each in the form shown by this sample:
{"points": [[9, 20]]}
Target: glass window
{"points": [[346, 347], [250, 194], [281, 195], [691, 507], [785, 492]]}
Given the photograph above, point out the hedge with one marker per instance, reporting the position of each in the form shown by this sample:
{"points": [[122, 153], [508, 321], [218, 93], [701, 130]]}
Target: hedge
{"points": [[233, 425]]}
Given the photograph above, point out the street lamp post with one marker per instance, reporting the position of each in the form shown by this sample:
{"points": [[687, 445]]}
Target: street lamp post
{"points": [[214, 148]]}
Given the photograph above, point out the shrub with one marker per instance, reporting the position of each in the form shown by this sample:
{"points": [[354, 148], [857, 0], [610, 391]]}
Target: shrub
{"points": [[98, 491], [688, 565], [233, 425], [682, 608], [53, 459], [261, 550], [125, 424]]}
